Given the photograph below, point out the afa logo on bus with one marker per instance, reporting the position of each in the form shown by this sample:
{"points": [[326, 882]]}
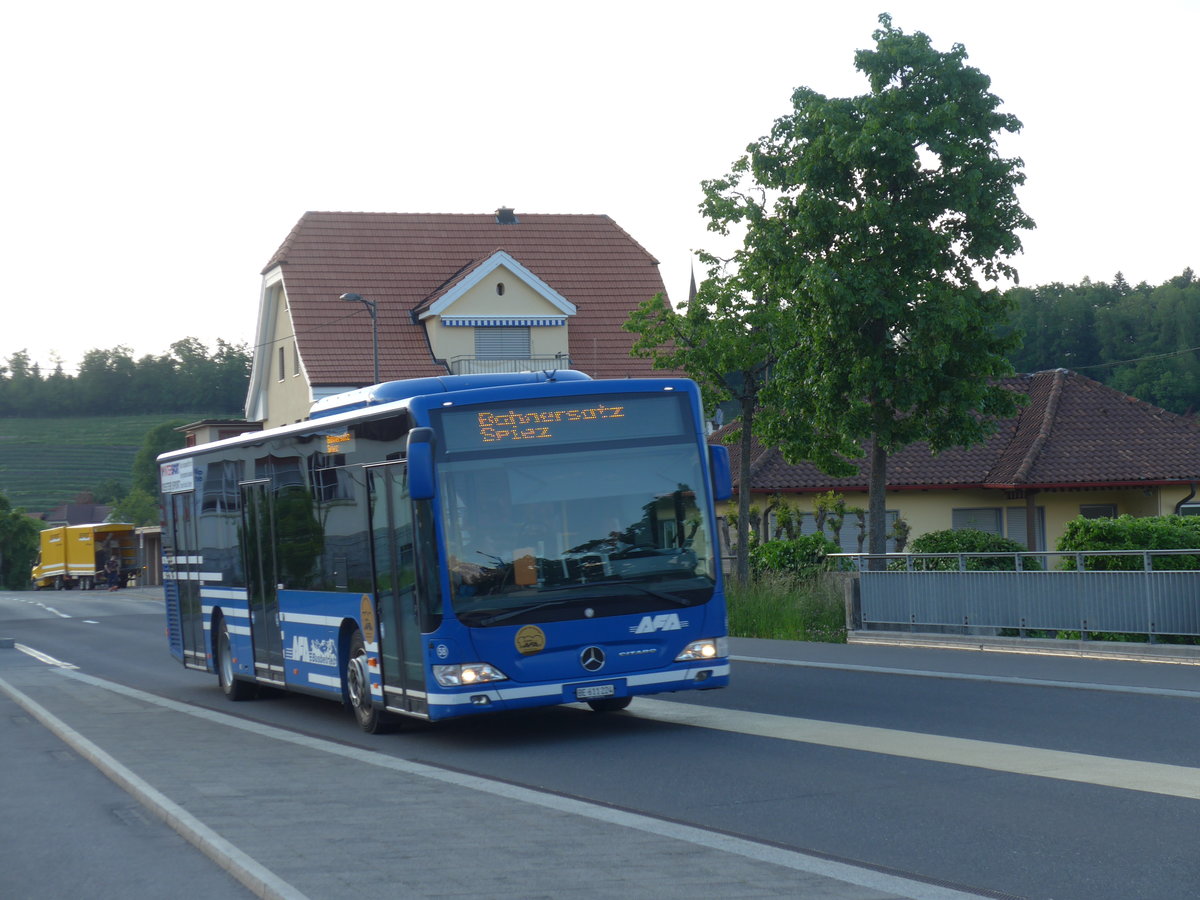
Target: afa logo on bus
{"points": [[664, 622]]}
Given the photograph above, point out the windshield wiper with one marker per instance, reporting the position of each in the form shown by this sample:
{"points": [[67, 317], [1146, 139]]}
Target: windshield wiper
{"points": [[662, 595], [545, 604]]}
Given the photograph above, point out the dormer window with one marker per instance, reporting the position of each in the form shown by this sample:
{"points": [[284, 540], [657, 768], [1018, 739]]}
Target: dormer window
{"points": [[502, 343]]}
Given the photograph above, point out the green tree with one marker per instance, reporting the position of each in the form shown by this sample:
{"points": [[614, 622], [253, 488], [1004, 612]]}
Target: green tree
{"points": [[872, 218], [18, 546], [109, 491], [726, 337], [158, 439], [138, 507]]}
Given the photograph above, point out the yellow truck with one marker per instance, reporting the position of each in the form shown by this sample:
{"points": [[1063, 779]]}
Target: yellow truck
{"points": [[75, 556]]}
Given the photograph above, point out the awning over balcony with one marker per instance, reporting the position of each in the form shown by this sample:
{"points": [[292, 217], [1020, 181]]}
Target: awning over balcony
{"points": [[502, 321]]}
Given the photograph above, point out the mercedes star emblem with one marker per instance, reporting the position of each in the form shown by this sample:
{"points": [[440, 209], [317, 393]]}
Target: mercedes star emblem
{"points": [[592, 659]]}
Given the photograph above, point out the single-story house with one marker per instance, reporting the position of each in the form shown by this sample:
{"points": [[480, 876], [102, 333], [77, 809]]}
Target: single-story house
{"points": [[442, 295], [1077, 448]]}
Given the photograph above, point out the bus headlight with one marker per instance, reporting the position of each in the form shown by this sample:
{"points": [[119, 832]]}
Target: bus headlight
{"points": [[708, 648], [467, 673]]}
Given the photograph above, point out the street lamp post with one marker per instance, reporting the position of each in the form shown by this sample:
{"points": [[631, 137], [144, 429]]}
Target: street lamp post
{"points": [[370, 305]]}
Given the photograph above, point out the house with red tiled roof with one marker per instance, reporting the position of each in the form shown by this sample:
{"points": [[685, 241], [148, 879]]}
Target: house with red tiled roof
{"points": [[1076, 448], [442, 295]]}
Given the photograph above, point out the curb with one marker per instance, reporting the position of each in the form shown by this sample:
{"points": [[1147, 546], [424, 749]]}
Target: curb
{"points": [[1175, 654], [256, 878]]}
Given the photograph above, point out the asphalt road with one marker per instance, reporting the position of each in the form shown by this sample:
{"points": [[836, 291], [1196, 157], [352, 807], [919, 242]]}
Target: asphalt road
{"points": [[1020, 776]]}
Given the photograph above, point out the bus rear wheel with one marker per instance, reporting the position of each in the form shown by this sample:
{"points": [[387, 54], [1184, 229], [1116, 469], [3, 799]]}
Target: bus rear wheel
{"points": [[233, 688], [358, 689]]}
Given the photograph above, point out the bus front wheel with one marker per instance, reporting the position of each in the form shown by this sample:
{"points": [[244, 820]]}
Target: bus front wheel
{"points": [[358, 689]]}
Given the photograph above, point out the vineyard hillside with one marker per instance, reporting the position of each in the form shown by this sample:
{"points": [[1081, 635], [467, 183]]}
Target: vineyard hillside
{"points": [[48, 462]]}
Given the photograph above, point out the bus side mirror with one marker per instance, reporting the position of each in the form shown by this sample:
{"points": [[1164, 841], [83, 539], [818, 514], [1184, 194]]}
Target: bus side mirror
{"points": [[718, 462], [420, 463]]}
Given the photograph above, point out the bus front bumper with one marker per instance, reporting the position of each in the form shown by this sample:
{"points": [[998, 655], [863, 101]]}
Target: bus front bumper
{"points": [[508, 695]]}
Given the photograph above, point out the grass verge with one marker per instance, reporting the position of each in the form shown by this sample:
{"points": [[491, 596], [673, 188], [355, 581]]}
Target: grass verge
{"points": [[788, 608]]}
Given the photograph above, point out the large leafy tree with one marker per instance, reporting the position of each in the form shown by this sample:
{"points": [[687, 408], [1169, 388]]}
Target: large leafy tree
{"points": [[872, 219], [726, 337], [18, 546]]}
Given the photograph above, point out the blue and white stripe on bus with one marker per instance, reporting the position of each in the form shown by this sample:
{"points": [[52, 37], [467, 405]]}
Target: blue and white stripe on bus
{"points": [[558, 690], [223, 593], [308, 619], [327, 681]]}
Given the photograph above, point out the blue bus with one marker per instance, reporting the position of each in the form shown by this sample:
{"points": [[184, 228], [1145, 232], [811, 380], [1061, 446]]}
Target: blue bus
{"points": [[443, 547]]}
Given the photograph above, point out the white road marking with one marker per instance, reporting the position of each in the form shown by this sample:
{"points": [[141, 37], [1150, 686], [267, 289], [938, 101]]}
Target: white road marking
{"points": [[793, 859], [44, 657], [967, 676], [1133, 775], [256, 877]]}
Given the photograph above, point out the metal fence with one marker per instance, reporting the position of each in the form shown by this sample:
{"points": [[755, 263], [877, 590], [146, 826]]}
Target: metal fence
{"points": [[1047, 591]]}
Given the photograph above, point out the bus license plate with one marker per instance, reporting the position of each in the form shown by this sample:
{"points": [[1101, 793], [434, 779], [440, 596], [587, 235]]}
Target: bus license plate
{"points": [[592, 691]]}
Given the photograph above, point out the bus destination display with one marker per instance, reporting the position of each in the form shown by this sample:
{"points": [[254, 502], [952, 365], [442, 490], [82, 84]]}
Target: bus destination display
{"points": [[584, 420]]}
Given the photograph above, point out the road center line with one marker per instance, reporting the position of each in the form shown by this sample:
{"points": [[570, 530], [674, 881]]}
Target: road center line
{"points": [[1133, 775], [968, 676]]}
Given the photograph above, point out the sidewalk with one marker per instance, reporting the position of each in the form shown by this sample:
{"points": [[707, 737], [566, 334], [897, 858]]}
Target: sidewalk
{"points": [[292, 816]]}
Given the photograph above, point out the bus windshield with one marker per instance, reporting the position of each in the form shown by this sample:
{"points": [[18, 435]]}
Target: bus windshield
{"points": [[551, 535]]}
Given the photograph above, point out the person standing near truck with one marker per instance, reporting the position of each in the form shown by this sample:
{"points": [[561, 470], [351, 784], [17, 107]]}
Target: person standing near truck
{"points": [[112, 569]]}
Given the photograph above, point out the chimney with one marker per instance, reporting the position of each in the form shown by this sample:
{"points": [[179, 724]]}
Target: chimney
{"points": [[506, 216]]}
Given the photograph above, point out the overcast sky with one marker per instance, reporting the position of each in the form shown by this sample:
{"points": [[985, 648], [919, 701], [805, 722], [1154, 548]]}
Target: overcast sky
{"points": [[156, 154]]}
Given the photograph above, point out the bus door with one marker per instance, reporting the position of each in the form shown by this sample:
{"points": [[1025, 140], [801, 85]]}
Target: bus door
{"points": [[396, 588], [185, 616], [258, 552]]}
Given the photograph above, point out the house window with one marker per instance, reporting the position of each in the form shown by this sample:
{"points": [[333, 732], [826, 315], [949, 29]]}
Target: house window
{"points": [[1016, 527], [1189, 509], [282, 364], [992, 521], [503, 342], [987, 519], [1099, 510]]}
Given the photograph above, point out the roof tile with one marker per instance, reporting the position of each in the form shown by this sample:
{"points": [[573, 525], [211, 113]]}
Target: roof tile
{"points": [[402, 261], [1073, 431]]}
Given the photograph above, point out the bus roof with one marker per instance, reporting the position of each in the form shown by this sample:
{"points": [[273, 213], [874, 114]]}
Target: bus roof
{"points": [[393, 397], [393, 391]]}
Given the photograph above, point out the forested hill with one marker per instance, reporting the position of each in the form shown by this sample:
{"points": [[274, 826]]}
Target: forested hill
{"points": [[1143, 340], [112, 382]]}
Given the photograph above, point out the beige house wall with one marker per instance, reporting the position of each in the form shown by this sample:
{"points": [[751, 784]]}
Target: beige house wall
{"points": [[518, 299], [926, 511], [288, 393]]}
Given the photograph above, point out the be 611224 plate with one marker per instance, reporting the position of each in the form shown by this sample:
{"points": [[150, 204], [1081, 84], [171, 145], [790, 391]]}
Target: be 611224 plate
{"points": [[592, 691]]}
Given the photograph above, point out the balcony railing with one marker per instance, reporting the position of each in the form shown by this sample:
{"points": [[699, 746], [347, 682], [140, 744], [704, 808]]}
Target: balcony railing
{"points": [[470, 365]]}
